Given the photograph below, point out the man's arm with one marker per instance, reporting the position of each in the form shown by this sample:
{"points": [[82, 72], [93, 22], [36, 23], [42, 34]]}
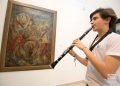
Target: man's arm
{"points": [[108, 65]]}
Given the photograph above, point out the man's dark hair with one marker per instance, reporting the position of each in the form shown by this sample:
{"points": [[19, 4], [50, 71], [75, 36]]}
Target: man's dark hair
{"points": [[106, 13]]}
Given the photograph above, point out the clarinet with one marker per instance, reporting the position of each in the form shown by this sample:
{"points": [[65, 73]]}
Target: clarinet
{"points": [[68, 49]]}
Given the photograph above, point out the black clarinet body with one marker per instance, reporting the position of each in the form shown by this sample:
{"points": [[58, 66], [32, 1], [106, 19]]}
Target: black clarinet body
{"points": [[68, 49]]}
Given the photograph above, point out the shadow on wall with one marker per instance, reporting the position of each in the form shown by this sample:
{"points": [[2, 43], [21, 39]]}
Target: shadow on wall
{"points": [[118, 26]]}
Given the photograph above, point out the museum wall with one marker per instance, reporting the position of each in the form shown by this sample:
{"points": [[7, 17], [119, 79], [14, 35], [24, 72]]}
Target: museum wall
{"points": [[72, 22]]}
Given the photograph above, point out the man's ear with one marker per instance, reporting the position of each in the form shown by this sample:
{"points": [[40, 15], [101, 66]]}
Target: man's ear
{"points": [[108, 20]]}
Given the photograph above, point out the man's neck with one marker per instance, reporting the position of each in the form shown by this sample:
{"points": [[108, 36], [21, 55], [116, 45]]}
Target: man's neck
{"points": [[102, 32]]}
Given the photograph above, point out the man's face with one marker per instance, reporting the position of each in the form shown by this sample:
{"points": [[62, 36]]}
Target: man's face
{"points": [[98, 22]]}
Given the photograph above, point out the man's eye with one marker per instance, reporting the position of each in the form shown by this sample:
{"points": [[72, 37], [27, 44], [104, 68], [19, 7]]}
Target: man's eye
{"points": [[94, 18]]}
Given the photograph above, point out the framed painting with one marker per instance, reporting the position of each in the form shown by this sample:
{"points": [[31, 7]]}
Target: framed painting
{"points": [[28, 37]]}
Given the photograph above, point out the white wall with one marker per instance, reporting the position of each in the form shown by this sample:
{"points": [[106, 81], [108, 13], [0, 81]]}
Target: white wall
{"points": [[72, 21]]}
